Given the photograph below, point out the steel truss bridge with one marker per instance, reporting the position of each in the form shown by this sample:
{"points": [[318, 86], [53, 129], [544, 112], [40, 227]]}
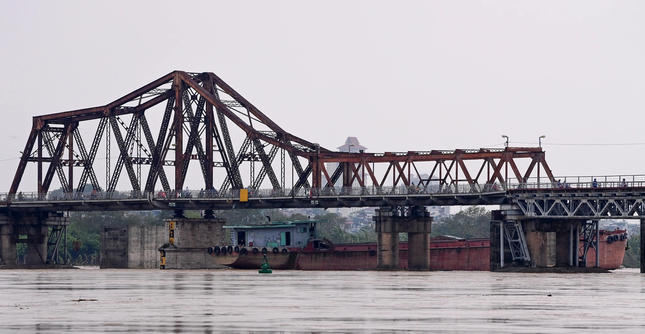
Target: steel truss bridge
{"points": [[155, 132], [193, 128]]}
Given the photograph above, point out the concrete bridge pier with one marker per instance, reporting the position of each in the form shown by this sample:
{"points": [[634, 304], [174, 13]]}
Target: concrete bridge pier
{"points": [[390, 221], [8, 254], [187, 242], [543, 243], [567, 243], [550, 242], [34, 232]]}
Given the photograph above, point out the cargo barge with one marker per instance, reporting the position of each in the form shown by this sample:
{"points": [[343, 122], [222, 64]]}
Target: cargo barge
{"points": [[294, 245]]}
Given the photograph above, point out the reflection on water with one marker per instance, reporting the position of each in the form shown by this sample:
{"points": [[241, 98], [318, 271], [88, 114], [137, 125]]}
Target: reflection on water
{"points": [[211, 301]]}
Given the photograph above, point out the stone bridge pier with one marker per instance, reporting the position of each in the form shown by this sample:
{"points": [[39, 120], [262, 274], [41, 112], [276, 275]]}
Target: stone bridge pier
{"points": [[43, 235], [518, 241], [414, 220], [187, 241]]}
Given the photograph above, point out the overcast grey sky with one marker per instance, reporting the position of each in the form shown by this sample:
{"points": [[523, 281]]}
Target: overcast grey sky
{"points": [[399, 75]]}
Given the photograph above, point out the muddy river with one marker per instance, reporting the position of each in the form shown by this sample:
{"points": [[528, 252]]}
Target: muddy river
{"points": [[91, 300]]}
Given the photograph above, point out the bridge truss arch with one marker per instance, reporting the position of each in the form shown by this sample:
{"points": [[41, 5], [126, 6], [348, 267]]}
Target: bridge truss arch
{"points": [[187, 124]]}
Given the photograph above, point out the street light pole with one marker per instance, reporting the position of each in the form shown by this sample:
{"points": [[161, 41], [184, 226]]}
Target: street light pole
{"points": [[506, 144], [540, 161]]}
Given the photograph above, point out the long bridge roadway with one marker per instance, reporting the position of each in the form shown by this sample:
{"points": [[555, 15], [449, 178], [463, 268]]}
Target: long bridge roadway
{"points": [[611, 197], [193, 127]]}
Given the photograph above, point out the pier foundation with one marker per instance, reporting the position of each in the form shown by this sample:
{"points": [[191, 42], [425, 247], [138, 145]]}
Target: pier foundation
{"points": [[389, 222], [131, 247], [516, 241], [387, 242], [187, 242], [43, 234]]}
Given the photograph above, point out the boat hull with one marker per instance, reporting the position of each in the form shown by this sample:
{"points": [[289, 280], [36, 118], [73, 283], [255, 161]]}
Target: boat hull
{"points": [[445, 254], [612, 250], [246, 258]]}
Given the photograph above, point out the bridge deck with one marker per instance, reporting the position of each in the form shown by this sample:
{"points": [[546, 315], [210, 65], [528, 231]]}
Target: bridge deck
{"points": [[579, 202]]}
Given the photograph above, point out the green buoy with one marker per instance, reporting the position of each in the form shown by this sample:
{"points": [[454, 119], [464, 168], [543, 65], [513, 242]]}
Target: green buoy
{"points": [[265, 269]]}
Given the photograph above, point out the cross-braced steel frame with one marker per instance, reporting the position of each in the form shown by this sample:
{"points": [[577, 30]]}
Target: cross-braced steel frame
{"points": [[197, 115]]}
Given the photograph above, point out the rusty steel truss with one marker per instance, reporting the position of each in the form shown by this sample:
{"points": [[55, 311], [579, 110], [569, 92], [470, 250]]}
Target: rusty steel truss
{"points": [[198, 115]]}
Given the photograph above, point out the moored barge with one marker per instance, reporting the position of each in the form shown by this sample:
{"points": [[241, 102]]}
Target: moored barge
{"points": [[295, 245]]}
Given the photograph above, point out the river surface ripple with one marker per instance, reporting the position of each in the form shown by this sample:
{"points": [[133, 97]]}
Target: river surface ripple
{"points": [[242, 301]]}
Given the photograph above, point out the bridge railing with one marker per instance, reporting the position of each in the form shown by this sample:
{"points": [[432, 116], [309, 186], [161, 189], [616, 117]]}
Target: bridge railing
{"points": [[582, 182], [578, 182]]}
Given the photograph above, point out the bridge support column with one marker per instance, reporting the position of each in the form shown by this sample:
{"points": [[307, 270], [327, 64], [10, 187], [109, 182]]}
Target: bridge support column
{"points": [[419, 248], [642, 246], [566, 246], [534, 242], [537, 241], [36, 243], [497, 254], [8, 253], [387, 241], [187, 242], [32, 230], [415, 221]]}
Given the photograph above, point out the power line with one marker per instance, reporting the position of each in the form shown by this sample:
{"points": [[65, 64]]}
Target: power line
{"points": [[570, 144], [624, 144]]}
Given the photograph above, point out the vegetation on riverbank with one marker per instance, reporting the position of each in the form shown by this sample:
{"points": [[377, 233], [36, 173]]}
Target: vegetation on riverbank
{"points": [[633, 252]]}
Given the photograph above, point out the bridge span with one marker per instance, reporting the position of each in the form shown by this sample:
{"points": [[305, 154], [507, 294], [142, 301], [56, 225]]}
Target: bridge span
{"points": [[609, 199], [193, 128]]}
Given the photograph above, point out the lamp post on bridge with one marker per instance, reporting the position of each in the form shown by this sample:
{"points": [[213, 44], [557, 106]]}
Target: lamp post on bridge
{"points": [[505, 144], [540, 161]]}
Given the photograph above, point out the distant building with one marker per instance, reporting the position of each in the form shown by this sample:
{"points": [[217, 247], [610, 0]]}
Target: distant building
{"points": [[352, 145]]}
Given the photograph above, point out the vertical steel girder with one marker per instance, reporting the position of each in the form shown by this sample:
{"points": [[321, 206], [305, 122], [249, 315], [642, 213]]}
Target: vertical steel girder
{"points": [[177, 128]]}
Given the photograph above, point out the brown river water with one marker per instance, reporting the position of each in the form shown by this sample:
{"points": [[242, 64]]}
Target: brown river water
{"points": [[90, 300]]}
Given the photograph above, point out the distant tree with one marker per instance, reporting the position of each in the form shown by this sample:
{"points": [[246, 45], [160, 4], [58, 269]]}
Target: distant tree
{"points": [[331, 228], [298, 216], [633, 253], [251, 217], [474, 222]]}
